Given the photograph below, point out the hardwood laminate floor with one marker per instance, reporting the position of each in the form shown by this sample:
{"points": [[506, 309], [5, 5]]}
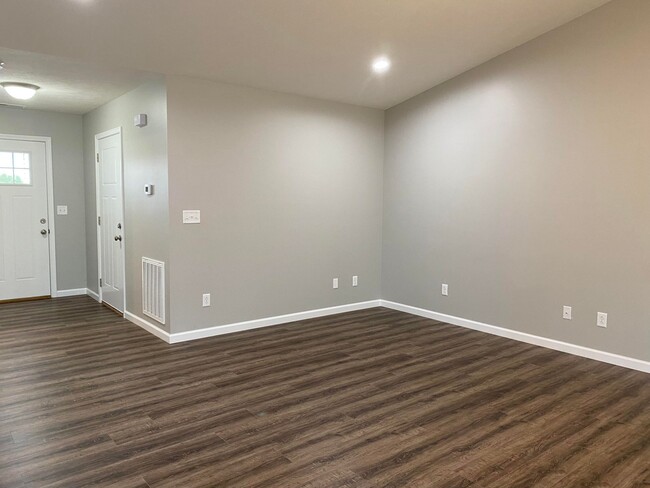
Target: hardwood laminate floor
{"points": [[374, 398]]}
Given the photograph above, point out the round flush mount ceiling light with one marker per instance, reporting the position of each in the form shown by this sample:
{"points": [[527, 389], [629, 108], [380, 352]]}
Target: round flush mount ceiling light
{"points": [[381, 65], [20, 91]]}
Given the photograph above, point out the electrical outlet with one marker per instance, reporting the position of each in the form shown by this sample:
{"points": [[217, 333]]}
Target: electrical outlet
{"points": [[566, 313], [191, 216], [335, 283], [355, 281], [62, 210], [445, 289], [206, 299], [601, 320]]}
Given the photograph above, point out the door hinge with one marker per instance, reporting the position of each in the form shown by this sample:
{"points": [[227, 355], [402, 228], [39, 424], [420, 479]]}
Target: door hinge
{"points": [[99, 221], [101, 283], [98, 157]]}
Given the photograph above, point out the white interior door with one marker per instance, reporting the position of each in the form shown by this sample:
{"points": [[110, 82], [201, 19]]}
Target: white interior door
{"points": [[24, 227], [110, 218]]}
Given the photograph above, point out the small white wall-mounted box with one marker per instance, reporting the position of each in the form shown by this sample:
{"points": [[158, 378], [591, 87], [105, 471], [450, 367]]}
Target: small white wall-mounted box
{"points": [[140, 120], [62, 210], [148, 189], [191, 216]]}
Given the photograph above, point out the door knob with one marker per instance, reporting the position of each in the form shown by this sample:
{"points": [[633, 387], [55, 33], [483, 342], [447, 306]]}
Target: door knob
{"points": [[43, 232], [118, 238]]}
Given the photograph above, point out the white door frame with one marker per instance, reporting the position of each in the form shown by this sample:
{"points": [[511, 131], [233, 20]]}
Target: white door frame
{"points": [[103, 135], [50, 200]]}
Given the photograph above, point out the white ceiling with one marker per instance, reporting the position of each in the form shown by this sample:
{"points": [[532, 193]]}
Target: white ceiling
{"points": [[67, 86], [320, 48]]}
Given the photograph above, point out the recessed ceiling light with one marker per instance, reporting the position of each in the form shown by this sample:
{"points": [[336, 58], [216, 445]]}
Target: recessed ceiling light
{"points": [[381, 65], [20, 91]]}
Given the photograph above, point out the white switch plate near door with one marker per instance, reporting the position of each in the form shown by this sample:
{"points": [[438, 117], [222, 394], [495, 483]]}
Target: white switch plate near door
{"points": [[62, 210], [191, 216]]}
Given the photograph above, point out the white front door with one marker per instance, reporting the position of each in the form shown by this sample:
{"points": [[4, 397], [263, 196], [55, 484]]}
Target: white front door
{"points": [[110, 218], [24, 226]]}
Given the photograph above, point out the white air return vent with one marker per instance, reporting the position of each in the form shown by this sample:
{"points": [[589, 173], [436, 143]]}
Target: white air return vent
{"points": [[153, 289]]}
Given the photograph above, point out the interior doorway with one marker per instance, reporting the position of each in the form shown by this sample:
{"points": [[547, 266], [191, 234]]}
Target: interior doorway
{"points": [[110, 219]]}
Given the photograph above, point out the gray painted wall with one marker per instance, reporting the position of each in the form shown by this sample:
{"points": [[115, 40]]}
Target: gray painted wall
{"points": [[146, 226], [290, 194], [525, 185], [68, 171]]}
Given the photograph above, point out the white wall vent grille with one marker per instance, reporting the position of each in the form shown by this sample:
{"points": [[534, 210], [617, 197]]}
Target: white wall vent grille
{"points": [[153, 289]]}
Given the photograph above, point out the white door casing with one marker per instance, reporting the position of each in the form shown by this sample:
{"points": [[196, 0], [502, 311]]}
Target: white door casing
{"points": [[110, 218], [26, 225]]}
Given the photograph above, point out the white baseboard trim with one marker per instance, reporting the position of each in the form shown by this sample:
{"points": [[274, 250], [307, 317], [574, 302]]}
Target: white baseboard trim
{"points": [[606, 357], [69, 293], [269, 321], [92, 294], [148, 326]]}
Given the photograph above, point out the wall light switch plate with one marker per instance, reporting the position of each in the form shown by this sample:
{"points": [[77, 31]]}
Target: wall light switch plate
{"points": [[191, 216], [601, 320], [62, 210], [445, 290], [355, 281], [566, 313], [335, 283]]}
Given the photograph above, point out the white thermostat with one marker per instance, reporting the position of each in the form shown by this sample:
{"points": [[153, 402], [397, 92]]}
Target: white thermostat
{"points": [[148, 189]]}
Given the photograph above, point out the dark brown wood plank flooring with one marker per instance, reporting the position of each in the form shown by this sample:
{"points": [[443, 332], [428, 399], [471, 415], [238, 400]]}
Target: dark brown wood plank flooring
{"points": [[364, 399]]}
